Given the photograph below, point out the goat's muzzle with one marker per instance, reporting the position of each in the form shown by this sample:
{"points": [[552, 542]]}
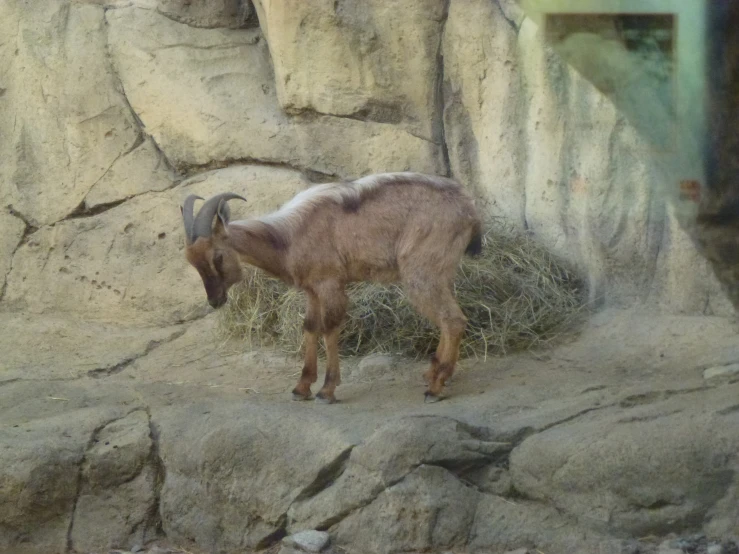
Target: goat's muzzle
{"points": [[218, 301]]}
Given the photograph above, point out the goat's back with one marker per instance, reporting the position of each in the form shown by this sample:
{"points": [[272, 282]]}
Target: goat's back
{"points": [[383, 228]]}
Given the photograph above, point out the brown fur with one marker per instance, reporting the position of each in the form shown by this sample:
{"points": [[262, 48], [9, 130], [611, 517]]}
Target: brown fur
{"points": [[407, 228]]}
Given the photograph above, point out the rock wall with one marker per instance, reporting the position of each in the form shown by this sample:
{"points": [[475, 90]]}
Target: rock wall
{"points": [[111, 111]]}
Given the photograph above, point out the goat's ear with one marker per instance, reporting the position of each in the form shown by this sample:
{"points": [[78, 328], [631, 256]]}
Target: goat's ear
{"points": [[220, 221], [224, 212]]}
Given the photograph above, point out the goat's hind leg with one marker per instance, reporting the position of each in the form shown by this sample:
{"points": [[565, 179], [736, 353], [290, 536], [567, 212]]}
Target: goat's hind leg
{"points": [[442, 309], [452, 330], [311, 329]]}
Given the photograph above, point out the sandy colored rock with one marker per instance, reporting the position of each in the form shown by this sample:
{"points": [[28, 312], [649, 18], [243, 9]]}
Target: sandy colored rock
{"points": [[243, 467], [552, 155], [428, 509], [376, 60], [139, 171], [11, 233], [697, 291], [128, 264], [484, 106], [227, 490], [721, 371], [117, 504], [207, 13], [233, 14], [43, 440], [568, 464], [374, 367], [372, 466], [66, 347], [208, 95], [502, 523], [64, 123]]}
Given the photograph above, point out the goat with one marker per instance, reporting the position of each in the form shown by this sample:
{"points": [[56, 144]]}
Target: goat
{"points": [[392, 227]]}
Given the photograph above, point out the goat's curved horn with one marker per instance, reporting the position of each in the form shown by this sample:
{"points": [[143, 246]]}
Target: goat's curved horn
{"points": [[188, 217], [204, 221]]}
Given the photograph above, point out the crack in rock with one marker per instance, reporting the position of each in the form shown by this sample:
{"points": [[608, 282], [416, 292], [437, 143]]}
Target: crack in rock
{"points": [[247, 19], [440, 94], [490, 452], [154, 517], [82, 210], [506, 8], [627, 402], [124, 97], [80, 472], [189, 171], [29, 229], [326, 476], [153, 345]]}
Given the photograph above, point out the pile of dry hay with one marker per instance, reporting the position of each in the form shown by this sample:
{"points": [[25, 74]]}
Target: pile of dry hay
{"points": [[516, 296]]}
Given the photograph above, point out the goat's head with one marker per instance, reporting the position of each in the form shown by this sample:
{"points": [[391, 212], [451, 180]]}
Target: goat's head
{"points": [[208, 249]]}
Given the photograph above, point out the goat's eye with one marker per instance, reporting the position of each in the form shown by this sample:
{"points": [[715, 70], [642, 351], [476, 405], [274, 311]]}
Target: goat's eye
{"points": [[218, 260]]}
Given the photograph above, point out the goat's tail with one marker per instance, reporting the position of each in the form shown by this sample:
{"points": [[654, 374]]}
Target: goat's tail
{"points": [[474, 248]]}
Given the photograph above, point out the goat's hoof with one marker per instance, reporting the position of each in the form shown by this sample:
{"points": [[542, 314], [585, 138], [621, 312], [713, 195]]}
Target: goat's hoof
{"points": [[325, 399], [430, 398], [297, 396]]}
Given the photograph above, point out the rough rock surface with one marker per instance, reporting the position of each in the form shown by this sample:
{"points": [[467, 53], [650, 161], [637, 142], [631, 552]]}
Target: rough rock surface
{"points": [[60, 346], [205, 13], [229, 108], [373, 367], [84, 266], [560, 463], [12, 229], [374, 59], [226, 491], [551, 154], [568, 454], [125, 417], [142, 170], [64, 123], [117, 494], [48, 430], [181, 87]]}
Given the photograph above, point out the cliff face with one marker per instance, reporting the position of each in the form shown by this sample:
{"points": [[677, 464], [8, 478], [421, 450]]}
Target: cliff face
{"points": [[111, 112]]}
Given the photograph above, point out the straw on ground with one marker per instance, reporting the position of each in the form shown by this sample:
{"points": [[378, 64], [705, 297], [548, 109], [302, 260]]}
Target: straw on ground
{"points": [[516, 296]]}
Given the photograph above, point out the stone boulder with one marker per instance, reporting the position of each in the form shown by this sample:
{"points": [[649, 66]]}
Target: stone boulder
{"points": [[48, 438], [232, 486], [429, 509], [11, 232], [374, 466], [117, 504], [141, 170], [64, 121], [66, 346], [552, 155], [375, 59], [127, 263], [587, 468], [208, 96], [535, 455]]}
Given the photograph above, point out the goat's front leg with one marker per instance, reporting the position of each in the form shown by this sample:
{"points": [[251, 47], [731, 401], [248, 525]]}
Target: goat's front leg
{"points": [[333, 302], [311, 329]]}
